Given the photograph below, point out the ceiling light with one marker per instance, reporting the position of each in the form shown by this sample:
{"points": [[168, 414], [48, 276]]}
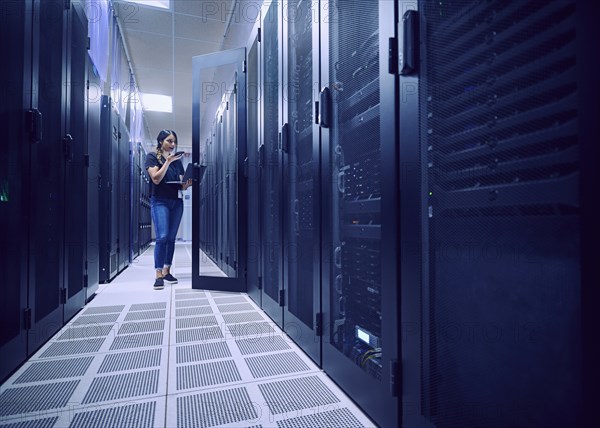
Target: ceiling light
{"points": [[163, 4], [155, 102]]}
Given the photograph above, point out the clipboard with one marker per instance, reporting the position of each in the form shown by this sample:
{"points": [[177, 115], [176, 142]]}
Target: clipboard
{"points": [[189, 174]]}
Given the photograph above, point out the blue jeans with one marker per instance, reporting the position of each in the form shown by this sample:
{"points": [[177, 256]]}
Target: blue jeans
{"points": [[166, 215]]}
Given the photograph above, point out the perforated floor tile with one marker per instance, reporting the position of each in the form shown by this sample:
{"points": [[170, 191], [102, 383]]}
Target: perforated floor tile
{"points": [[219, 300], [213, 373], [139, 415], [34, 423], [92, 330], [72, 347], [242, 317], [128, 385], [204, 321], [198, 335], [103, 309], [215, 408], [295, 394], [131, 360], [35, 398], [141, 327], [260, 345], [254, 329], [55, 369], [145, 315], [276, 364], [203, 351], [190, 312], [130, 341], [324, 419], [191, 303], [236, 307], [147, 306]]}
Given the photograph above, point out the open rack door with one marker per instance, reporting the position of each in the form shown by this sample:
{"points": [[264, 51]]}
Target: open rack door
{"points": [[218, 198]]}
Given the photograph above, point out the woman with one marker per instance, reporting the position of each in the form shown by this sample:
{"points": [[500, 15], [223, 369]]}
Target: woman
{"points": [[165, 205]]}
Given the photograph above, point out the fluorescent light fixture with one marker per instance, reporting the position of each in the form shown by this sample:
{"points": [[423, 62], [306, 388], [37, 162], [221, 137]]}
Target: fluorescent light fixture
{"points": [[163, 4], [155, 102]]}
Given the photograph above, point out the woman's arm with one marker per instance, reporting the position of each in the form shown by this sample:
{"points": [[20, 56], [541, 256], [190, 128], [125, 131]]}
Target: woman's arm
{"points": [[158, 173]]}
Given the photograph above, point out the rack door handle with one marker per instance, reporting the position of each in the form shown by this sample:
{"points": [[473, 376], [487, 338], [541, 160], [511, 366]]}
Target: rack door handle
{"points": [[325, 107]]}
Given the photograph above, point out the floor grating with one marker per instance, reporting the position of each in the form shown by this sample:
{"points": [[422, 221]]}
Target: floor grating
{"points": [[178, 357]]}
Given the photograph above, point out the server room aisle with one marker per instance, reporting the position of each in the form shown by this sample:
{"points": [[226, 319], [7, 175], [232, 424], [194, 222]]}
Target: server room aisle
{"points": [[137, 357]]}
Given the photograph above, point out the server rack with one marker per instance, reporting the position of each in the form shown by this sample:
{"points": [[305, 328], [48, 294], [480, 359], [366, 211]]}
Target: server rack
{"points": [[145, 228], [15, 214], [123, 174], [251, 170], [360, 204], [270, 162], [499, 122], [301, 184], [109, 164], [46, 196], [94, 106], [136, 203], [76, 161]]}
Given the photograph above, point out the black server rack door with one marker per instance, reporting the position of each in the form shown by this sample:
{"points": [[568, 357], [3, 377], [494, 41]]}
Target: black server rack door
{"points": [[94, 105], [46, 239], [232, 187], [251, 171], [356, 114], [105, 186], [500, 126], [114, 166], [300, 146], [14, 212], [271, 254], [136, 203], [75, 185], [216, 196], [123, 195]]}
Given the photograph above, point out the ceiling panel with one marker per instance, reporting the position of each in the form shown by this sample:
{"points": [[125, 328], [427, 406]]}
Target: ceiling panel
{"points": [[153, 81], [150, 50], [194, 28], [135, 17], [208, 10]]}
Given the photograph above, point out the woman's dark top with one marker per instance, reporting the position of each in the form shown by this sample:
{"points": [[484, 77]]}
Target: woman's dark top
{"points": [[162, 189]]}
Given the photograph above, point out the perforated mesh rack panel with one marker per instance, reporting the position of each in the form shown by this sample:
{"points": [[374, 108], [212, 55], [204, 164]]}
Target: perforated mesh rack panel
{"points": [[276, 364], [131, 360], [72, 347], [36, 398], [140, 415], [259, 345], [128, 385], [295, 394], [499, 95], [60, 369], [215, 408], [213, 373], [323, 419]]}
